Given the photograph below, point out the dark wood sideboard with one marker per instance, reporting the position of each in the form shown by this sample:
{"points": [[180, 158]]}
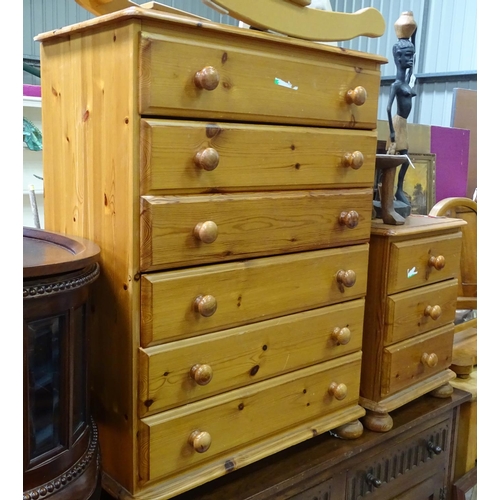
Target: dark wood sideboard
{"points": [[61, 456], [412, 461]]}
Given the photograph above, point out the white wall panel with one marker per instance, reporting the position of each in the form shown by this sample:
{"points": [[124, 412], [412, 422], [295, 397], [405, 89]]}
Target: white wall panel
{"points": [[451, 37], [436, 100]]}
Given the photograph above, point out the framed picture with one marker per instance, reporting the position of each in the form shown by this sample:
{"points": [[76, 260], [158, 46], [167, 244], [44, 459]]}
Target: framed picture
{"points": [[466, 487], [420, 183]]}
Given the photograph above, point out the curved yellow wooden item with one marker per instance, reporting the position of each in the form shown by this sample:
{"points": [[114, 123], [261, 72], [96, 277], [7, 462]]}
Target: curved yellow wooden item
{"points": [[100, 7], [294, 18]]}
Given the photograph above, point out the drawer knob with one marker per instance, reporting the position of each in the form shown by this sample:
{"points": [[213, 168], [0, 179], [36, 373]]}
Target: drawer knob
{"points": [[207, 159], [201, 374], [349, 219], [354, 160], [437, 262], [338, 391], [207, 231], [356, 96], [341, 335], [434, 448], [200, 441], [429, 360], [433, 311], [373, 481], [346, 278], [207, 78], [206, 305]]}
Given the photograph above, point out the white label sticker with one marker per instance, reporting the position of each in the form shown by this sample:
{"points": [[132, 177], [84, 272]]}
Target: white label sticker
{"points": [[282, 83], [411, 272]]}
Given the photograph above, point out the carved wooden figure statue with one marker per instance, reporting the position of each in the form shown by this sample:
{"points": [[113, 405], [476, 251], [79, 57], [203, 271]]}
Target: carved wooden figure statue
{"points": [[403, 93]]}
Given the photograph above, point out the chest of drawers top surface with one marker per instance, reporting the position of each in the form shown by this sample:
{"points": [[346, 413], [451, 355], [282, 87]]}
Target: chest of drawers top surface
{"points": [[416, 226]]}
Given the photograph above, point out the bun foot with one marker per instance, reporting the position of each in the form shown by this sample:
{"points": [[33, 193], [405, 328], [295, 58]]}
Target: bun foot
{"points": [[377, 422], [445, 391], [351, 430]]}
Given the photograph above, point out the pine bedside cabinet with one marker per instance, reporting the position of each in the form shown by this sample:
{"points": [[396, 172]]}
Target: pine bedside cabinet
{"points": [[409, 315], [226, 175]]}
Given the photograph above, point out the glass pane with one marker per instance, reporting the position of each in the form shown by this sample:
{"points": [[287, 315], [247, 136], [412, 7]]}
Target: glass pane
{"points": [[44, 358], [80, 374]]}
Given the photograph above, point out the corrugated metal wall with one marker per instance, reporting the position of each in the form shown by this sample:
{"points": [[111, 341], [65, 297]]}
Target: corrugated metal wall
{"points": [[446, 56], [446, 52]]}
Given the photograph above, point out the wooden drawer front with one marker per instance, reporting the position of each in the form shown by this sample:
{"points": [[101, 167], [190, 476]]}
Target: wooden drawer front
{"points": [[248, 225], [398, 466], [251, 83], [188, 156], [246, 292], [420, 310], [180, 372], [244, 416], [403, 363], [409, 261]]}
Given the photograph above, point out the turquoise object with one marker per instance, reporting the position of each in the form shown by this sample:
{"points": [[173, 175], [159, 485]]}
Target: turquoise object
{"points": [[32, 136]]}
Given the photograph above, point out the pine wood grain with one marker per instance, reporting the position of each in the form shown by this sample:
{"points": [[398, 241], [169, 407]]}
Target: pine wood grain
{"points": [[245, 355], [249, 225], [399, 281], [274, 157], [405, 396], [410, 266], [318, 99], [246, 415], [91, 76], [247, 291], [402, 365], [91, 190], [405, 315]]}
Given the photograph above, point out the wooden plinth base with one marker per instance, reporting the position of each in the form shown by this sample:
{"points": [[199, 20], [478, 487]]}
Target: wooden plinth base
{"points": [[215, 468], [377, 416], [351, 430]]}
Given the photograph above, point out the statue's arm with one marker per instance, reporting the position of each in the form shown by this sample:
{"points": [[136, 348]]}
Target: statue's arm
{"points": [[392, 96], [408, 75]]}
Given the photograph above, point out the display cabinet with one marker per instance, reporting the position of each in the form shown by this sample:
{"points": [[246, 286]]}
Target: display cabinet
{"points": [[60, 447]]}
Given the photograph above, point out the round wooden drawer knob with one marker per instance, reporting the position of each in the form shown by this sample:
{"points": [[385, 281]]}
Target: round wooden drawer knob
{"points": [[207, 78], [429, 360], [200, 441], [341, 335], [437, 262], [356, 96], [433, 311], [206, 232], [206, 305], [338, 391], [207, 159], [349, 219], [201, 374], [354, 160], [346, 278]]}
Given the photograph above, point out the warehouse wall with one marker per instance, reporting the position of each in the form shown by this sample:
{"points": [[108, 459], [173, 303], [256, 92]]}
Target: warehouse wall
{"points": [[446, 55]]}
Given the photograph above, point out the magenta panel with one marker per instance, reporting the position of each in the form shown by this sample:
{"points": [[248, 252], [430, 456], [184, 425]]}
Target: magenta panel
{"points": [[451, 147]]}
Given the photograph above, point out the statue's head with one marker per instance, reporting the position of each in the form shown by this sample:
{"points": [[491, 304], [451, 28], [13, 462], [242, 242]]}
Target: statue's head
{"points": [[403, 51]]}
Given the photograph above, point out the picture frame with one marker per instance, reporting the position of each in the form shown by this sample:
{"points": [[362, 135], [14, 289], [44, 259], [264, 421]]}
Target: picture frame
{"points": [[420, 182], [465, 488]]}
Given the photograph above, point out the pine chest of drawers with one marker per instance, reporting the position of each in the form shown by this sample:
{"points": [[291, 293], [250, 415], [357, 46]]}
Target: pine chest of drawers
{"points": [[227, 176], [409, 315]]}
